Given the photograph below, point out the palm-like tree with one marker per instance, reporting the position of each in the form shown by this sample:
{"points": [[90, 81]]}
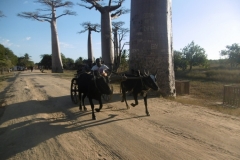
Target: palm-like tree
{"points": [[90, 27]]}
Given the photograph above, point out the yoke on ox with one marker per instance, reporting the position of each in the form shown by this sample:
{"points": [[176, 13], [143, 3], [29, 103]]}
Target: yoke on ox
{"points": [[138, 84], [93, 87]]}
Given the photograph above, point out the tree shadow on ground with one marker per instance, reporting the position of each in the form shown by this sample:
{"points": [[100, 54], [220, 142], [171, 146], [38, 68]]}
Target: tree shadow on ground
{"points": [[34, 122]]}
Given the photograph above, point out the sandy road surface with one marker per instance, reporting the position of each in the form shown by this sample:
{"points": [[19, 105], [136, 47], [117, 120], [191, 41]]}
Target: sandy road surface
{"points": [[41, 122]]}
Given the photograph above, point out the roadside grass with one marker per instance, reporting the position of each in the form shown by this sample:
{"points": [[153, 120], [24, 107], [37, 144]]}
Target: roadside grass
{"points": [[207, 88], [4, 83], [3, 80], [67, 74]]}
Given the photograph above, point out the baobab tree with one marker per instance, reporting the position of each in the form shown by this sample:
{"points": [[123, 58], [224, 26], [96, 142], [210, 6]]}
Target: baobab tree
{"points": [[118, 35], [90, 27], [151, 41], [52, 5], [106, 25]]}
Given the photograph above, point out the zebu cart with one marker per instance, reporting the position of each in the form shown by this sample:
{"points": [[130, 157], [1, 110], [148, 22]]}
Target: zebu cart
{"points": [[75, 94]]}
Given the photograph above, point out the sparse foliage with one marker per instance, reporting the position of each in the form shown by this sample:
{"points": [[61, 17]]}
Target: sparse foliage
{"points": [[194, 55], [179, 61], [233, 54], [46, 61], [118, 36], [90, 27]]}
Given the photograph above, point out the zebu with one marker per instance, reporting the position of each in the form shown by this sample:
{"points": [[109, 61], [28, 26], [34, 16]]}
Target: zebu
{"points": [[138, 84], [93, 87]]}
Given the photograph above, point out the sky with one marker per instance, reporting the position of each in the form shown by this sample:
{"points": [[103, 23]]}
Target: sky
{"points": [[211, 24]]}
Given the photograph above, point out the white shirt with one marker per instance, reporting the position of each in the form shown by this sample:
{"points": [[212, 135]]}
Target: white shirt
{"points": [[99, 69]]}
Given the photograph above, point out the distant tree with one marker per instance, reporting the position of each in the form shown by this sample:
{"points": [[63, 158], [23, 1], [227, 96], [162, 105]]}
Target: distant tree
{"points": [[79, 61], [25, 61], [124, 60], [4, 61], [90, 27], [194, 55], [52, 5], [68, 63], [106, 25], [179, 61], [118, 35], [46, 61], [63, 59], [11, 56], [27, 57], [7, 59], [233, 54]]}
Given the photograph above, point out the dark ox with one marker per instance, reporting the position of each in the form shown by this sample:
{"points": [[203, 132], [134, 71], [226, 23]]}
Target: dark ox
{"points": [[138, 84], [93, 87]]}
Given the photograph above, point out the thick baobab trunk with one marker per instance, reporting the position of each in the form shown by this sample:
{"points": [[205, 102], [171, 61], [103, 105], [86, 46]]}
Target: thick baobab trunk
{"points": [[106, 37], [57, 66], [151, 41], [90, 52]]}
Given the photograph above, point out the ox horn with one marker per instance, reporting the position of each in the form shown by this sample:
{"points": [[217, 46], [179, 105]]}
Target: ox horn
{"points": [[156, 73], [145, 74]]}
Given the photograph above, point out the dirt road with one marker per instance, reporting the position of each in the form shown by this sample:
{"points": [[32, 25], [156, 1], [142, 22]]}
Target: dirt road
{"points": [[41, 122]]}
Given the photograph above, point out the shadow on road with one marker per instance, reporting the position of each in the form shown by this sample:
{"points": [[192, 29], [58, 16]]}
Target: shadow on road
{"points": [[27, 124]]}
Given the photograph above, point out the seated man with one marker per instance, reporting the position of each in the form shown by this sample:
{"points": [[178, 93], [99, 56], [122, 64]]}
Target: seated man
{"points": [[101, 68]]}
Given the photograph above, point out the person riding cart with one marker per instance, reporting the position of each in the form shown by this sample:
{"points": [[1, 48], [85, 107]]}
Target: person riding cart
{"points": [[100, 68]]}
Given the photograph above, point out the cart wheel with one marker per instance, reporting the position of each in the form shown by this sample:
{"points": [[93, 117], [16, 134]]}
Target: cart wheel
{"points": [[74, 91], [106, 97]]}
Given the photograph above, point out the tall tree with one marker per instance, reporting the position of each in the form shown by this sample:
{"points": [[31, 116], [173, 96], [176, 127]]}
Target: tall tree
{"points": [[118, 35], [151, 41], [106, 25], [194, 55], [233, 54], [90, 27], [52, 5]]}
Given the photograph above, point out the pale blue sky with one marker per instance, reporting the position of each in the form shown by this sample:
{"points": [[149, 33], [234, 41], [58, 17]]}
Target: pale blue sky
{"points": [[212, 24]]}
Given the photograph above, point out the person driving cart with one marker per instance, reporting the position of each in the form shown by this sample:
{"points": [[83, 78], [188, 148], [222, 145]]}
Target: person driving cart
{"points": [[101, 68]]}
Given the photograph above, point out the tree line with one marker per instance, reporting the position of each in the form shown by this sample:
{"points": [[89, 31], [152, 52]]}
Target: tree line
{"points": [[8, 59], [194, 55], [191, 55], [70, 64]]}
